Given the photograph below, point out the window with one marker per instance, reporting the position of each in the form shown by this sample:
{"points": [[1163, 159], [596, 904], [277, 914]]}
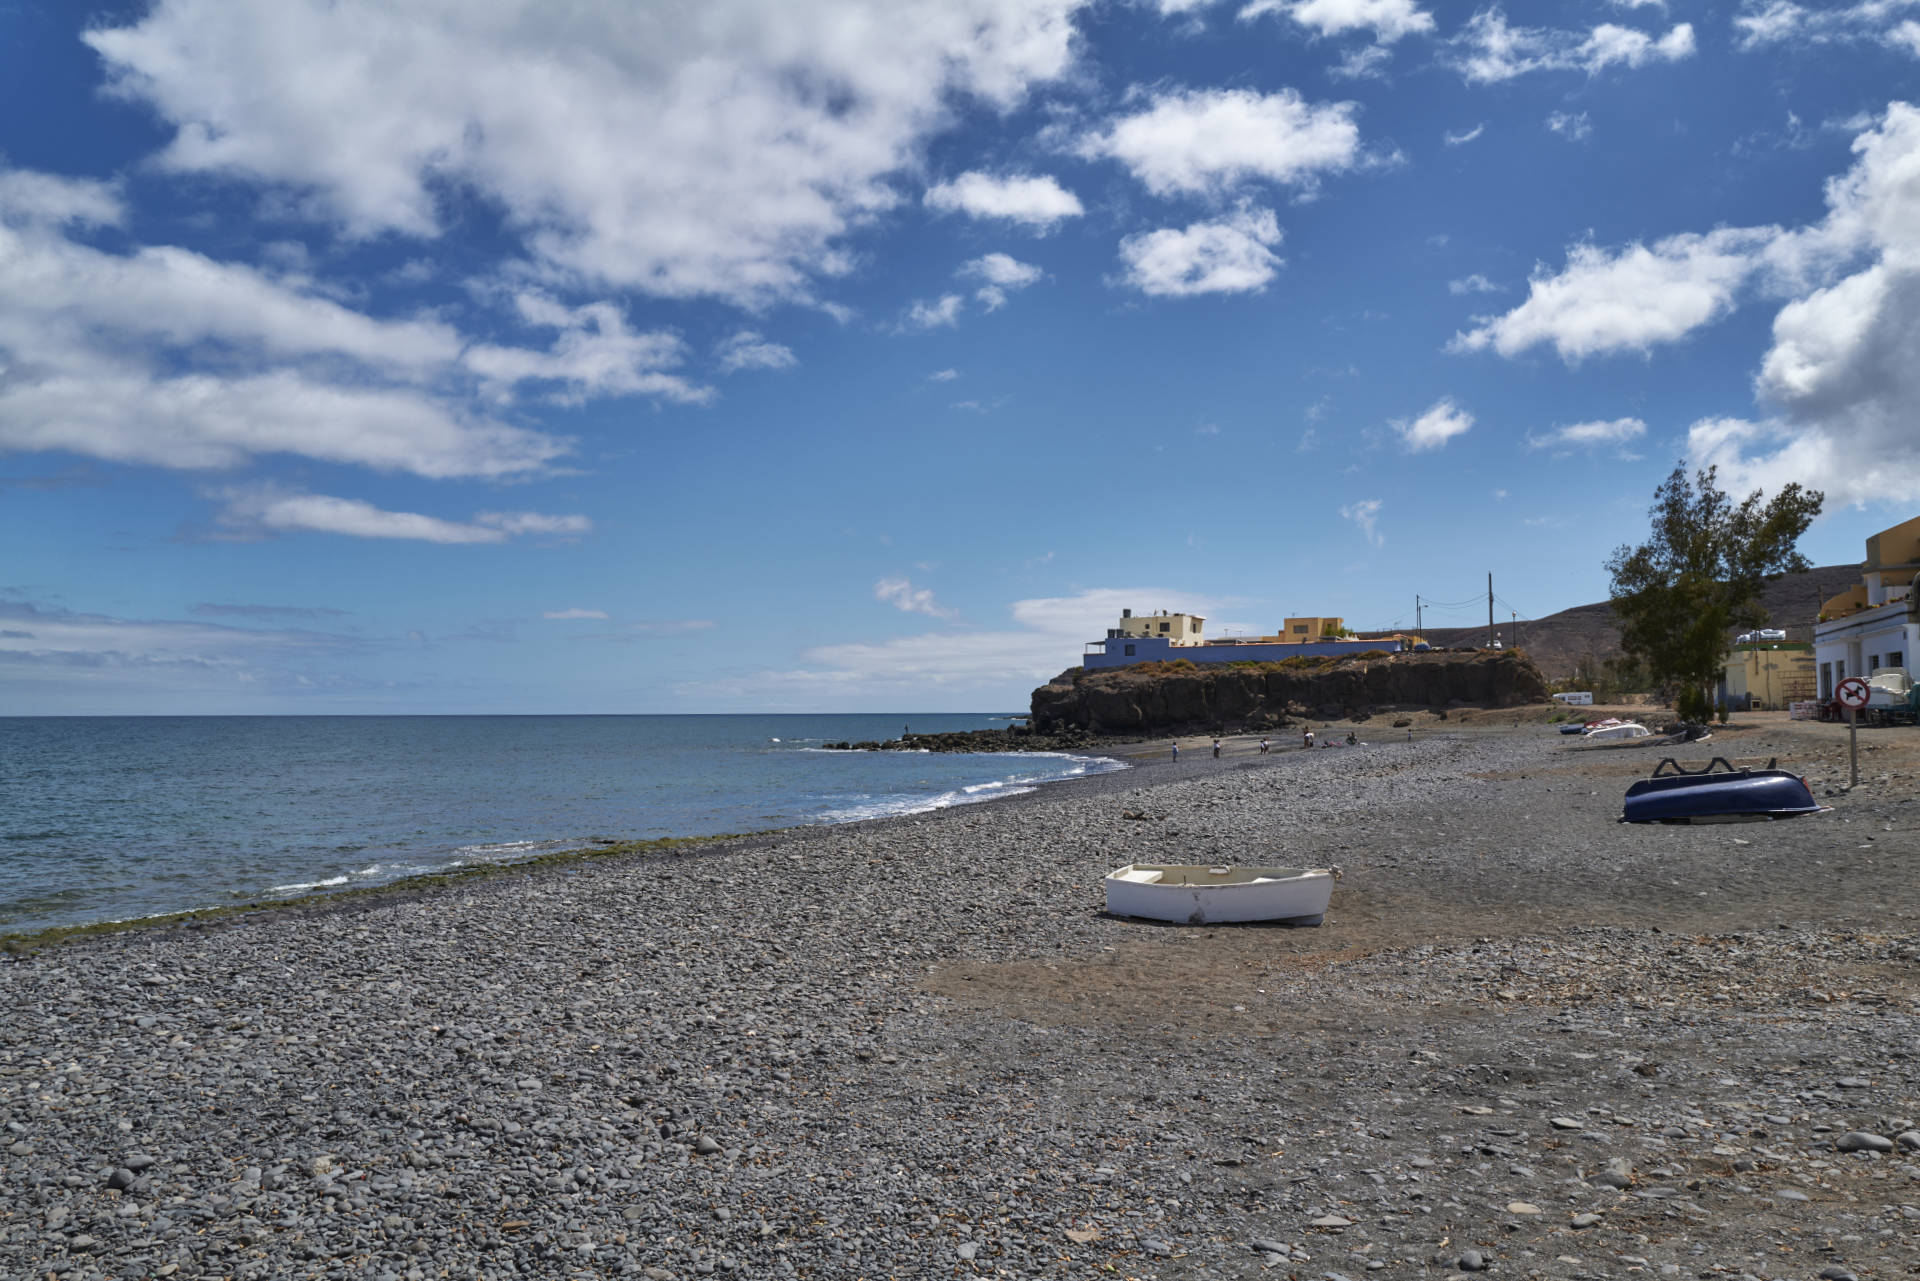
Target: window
{"points": [[1299, 629], [1163, 627], [1873, 663], [1893, 659], [1129, 651], [1826, 681]]}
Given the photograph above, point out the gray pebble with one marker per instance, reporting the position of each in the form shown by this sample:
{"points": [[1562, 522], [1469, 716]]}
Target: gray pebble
{"points": [[1472, 1261], [1861, 1141]]}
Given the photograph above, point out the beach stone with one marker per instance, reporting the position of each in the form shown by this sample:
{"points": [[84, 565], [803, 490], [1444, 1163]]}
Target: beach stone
{"points": [[706, 1146], [1472, 1261], [1265, 1245], [967, 1249], [1836, 1274], [1332, 1221], [121, 1178], [1522, 1207], [1585, 1220], [1566, 1123], [1861, 1141], [1853, 1083], [1617, 1173], [1909, 1140], [1792, 1194]]}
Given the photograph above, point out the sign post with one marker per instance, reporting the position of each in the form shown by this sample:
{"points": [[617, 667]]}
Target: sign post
{"points": [[1853, 694]]}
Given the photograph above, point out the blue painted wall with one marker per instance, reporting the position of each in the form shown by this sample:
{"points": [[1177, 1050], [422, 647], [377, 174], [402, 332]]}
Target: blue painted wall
{"points": [[1153, 649]]}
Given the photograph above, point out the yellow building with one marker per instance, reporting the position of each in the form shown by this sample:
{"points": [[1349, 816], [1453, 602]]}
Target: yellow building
{"points": [[1305, 631], [1177, 629], [1768, 675], [1874, 624]]}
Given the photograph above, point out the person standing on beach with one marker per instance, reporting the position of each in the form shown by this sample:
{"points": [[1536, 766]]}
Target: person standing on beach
{"points": [[1309, 739], [1176, 750], [1216, 749], [1263, 747]]}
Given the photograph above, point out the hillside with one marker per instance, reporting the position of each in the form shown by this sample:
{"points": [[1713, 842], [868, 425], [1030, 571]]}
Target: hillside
{"points": [[1556, 642]]}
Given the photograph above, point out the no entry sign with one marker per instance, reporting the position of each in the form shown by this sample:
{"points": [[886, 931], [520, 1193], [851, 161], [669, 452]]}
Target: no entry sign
{"points": [[1853, 692]]}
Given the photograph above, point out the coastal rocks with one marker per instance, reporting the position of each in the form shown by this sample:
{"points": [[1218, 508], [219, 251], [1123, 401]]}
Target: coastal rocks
{"points": [[1861, 1141], [1185, 697]]}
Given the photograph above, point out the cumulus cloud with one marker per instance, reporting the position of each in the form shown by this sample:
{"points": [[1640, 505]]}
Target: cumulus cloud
{"points": [[908, 599], [1432, 430], [1474, 284], [162, 356], [720, 149], [1036, 203], [1233, 254], [1627, 300], [262, 510], [1365, 514], [1387, 20], [1000, 274], [941, 313], [1209, 141], [748, 350], [569, 614], [1589, 435], [1488, 49]]}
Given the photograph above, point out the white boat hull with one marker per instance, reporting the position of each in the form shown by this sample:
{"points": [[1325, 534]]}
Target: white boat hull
{"points": [[1199, 895], [1607, 733]]}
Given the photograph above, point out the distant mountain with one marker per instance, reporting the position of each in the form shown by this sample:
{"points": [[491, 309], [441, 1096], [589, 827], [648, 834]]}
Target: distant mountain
{"points": [[1555, 643]]}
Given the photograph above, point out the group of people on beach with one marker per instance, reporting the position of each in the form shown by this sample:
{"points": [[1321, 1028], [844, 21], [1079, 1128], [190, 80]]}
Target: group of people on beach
{"points": [[1266, 745]]}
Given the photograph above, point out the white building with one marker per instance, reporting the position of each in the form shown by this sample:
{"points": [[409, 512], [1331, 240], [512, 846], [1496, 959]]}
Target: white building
{"points": [[1875, 623]]}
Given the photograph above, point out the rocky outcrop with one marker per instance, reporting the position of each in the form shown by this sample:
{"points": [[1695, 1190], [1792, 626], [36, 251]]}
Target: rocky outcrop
{"points": [[1181, 697]]}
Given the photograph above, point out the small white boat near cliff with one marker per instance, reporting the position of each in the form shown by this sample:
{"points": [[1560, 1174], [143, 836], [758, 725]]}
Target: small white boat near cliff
{"points": [[1618, 729], [1200, 895]]}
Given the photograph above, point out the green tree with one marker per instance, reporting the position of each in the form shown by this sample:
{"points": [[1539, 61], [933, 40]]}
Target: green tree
{"points": [[1680, 594]]}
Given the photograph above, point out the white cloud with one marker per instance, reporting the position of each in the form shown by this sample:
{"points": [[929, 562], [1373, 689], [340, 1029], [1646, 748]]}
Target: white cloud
{"points": [[1362, 62], [594, 354], [942, 313], [748, 350], [1002, 275], [1575, 127], [1205, 142], [1432, 430], [1605, 302], [268, 509], [1615, 432], [569, 614], [1037, 203], [1488, 50], [1474, 284], [1462, 139], [1365, 514], [905, 597], [1764, 22], [1388, 20], [1230, 255], [943, 375], [164, 356], [720, 149], [515, 523]]}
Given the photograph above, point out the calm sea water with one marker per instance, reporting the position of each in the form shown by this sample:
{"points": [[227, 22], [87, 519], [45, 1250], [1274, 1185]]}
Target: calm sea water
{"points": [[108, 818]]}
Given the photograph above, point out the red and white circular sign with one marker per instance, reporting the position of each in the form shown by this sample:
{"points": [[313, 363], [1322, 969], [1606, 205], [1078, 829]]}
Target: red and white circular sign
{"points": [[1853, 692]]}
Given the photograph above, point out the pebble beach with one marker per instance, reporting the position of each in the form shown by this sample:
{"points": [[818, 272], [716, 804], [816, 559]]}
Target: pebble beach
{"points": [[1528, 1041]]}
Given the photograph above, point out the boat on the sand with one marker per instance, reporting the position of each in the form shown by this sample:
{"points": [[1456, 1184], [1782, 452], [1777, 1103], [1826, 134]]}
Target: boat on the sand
{"points": [[1609, 730], [1718, 793], [1201, 895]]}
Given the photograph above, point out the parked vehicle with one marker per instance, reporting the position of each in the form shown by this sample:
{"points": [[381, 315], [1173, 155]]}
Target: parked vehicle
{"points": [[1892, 698]]}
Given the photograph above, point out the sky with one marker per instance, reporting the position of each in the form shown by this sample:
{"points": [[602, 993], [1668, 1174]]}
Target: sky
{"points": [[468, 356]]}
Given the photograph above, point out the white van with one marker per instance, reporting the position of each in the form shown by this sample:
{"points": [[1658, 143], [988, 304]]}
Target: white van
{"points": [[1583, 699]]}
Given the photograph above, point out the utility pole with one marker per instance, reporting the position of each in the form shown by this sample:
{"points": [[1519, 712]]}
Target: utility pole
{"points": [[1416, 613], [1489, 611], [1516, 630]]}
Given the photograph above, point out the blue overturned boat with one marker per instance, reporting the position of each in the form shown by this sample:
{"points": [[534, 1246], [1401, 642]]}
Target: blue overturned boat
{"points": [[1718, 793]]}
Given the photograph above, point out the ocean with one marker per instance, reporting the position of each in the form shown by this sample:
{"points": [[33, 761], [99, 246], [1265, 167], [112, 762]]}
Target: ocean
{"points": [[109, 818]]}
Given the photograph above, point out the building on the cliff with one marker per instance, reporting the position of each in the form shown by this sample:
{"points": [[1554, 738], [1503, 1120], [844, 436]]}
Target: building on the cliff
{"points": [[1157, 637], [1876, 622], [1177, 629], [1766, 676]]}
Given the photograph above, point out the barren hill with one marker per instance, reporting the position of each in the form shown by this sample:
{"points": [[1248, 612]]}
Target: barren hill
{"points": [[1556, 642]]}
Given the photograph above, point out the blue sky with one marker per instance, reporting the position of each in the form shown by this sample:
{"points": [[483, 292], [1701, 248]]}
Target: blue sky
{"points": [[799, 355]]}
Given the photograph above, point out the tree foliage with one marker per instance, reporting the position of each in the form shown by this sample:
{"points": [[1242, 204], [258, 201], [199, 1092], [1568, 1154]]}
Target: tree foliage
{"points": [[1680, 594]]}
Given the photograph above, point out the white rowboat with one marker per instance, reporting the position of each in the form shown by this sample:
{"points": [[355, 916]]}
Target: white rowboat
{"points": [[1199, 895], [1620, 729]]}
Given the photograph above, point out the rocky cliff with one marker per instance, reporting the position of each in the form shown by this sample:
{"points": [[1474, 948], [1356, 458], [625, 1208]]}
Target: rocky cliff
{"points": [[1180, 697]]}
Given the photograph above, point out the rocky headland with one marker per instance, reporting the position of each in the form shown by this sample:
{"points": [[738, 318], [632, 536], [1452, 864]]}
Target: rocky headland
{"points": [[1177, 697]]}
